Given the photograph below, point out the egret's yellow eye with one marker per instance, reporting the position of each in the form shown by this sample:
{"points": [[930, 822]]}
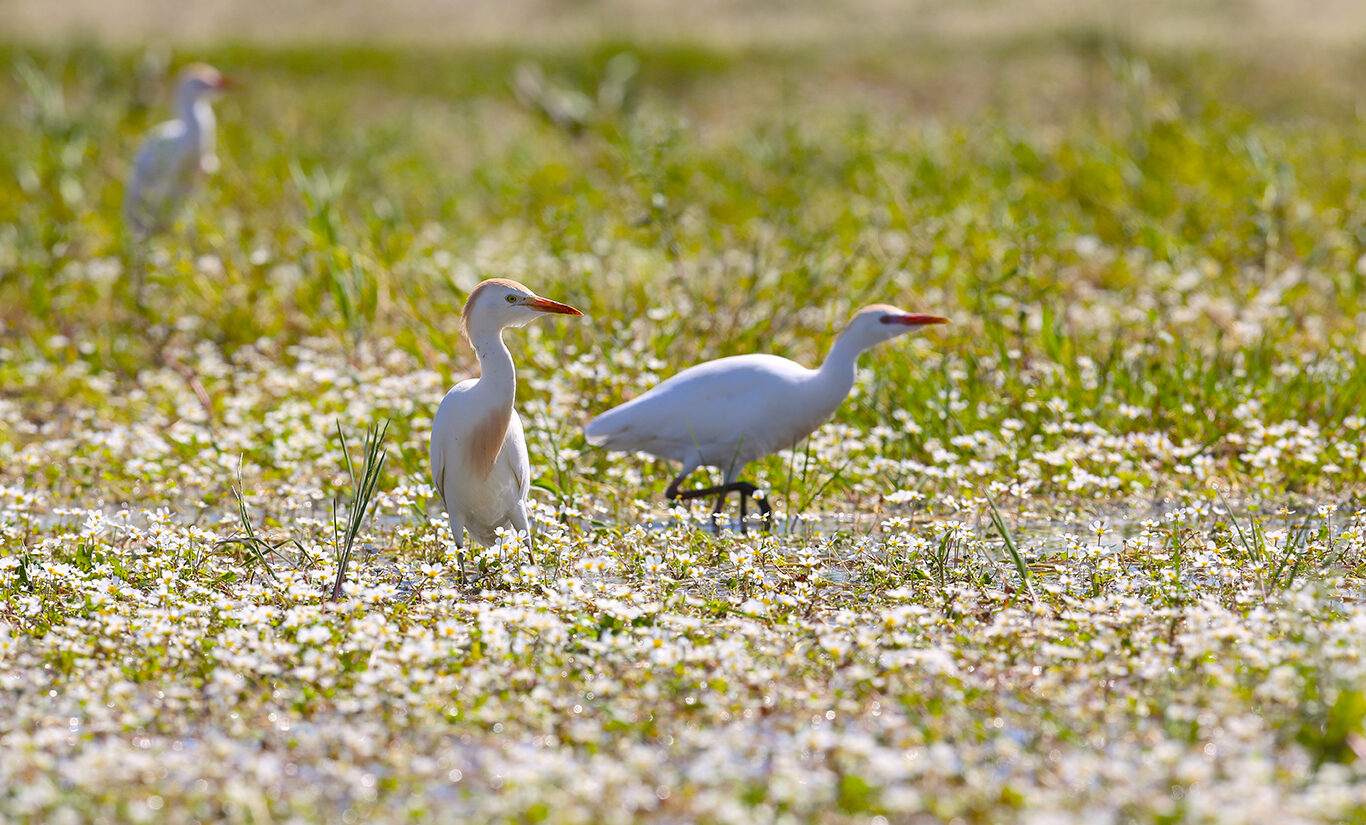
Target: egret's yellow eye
{"points": [[512, 299]]}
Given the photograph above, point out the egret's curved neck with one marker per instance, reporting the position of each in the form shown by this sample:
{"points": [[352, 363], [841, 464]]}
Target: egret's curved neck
{"points": [[186, 104], [837, 371], [196, 113], [497, 373]]}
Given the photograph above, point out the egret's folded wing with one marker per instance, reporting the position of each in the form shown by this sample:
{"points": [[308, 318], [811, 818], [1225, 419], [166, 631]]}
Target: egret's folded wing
{"points": [[514, 456], [711, 407], [159, 174], [439, 471]]}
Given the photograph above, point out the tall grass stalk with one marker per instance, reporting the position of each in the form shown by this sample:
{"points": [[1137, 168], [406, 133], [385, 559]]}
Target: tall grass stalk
{"points": [[1011, 548], [257, 546], [362, 493]]}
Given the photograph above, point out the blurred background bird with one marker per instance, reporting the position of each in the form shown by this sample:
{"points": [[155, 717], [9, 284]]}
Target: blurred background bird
{"points": [[479, 459], [174, 154], [731, 411]]}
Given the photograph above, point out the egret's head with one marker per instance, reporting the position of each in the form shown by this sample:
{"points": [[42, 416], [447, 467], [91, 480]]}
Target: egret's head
{"points": [[498, 303], [200, 79], [874, 324]]}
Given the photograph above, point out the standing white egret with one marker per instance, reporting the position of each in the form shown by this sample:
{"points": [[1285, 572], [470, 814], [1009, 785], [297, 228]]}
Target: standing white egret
{"points": [[479, 459], [731, 411], [174, 154]]}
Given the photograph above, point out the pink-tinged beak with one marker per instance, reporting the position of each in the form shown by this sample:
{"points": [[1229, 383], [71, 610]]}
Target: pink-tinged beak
{"points": [[226, 84], [553, 307], [911, 320]]}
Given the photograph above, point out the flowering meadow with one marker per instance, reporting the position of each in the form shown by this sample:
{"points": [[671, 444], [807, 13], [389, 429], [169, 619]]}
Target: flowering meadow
{"points": [[1092, 553]]}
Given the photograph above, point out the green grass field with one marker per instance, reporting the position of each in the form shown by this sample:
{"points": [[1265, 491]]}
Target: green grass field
{"points": [[1092, 553]]}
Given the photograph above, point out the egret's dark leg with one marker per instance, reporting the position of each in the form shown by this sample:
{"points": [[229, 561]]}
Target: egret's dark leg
{"points": [[720, 491], [672, 492], [765, 511], [744, 488]]}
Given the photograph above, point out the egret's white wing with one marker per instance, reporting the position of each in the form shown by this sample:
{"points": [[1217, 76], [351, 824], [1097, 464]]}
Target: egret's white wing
{"points": [[497, 500], [445, 446], [724, 410], [162, 174], [438, 457], [480, 497], [513, 458]]}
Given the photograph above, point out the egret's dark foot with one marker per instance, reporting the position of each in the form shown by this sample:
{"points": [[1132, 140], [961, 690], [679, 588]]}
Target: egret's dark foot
{"points": [[748, 491]]}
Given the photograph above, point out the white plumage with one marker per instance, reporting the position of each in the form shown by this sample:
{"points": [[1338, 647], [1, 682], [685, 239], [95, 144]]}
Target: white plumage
{"points": [[731, 411], [174, 154], [723, 413], [479, 458]]}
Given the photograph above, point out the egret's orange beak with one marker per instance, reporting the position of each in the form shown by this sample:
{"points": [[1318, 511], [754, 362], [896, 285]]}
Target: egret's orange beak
{"points": [[911, 320], [553, 307], [226, 84]]}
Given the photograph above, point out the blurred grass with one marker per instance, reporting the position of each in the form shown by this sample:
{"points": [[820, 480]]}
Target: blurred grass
{"points": [[1179, 232]]}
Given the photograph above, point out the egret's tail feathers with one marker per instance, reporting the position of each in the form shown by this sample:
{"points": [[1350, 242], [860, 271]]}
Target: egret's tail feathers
{"points": [[599, 431]]}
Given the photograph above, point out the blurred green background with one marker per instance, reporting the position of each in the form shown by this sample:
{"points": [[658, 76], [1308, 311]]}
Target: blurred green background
{"points": [[1147, 217]]}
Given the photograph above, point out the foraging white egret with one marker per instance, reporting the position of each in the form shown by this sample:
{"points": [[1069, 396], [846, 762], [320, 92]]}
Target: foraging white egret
{"points": [[728, 412], [479, 459], [174, 153]]}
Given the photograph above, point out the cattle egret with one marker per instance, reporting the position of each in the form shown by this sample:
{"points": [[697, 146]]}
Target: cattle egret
{"points": [[174, 154], [728, 412], [479, 459]]}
